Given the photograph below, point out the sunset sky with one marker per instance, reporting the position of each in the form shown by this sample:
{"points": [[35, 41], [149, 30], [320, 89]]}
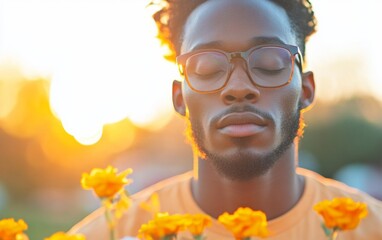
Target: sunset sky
{"points": [[103, 59]]}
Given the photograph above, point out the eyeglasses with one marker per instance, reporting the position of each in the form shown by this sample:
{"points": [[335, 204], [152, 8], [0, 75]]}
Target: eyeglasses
{"points": [[269, 66]]}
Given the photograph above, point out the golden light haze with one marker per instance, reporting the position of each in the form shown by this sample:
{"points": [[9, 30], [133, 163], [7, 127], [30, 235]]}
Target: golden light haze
{"points": [[345, 52], [83, 85], [103, 62], [102, 58]]}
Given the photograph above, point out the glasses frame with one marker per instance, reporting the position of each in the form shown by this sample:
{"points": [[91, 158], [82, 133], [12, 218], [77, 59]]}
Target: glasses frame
{"points": [[293, 50]]}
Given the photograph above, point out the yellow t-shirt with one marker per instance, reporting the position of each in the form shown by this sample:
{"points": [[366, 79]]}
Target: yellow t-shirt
{"points": [[301, 222]]}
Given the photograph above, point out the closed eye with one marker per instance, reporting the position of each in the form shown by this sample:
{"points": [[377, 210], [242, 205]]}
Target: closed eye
{"points": [[210, 75], [268, 71]]}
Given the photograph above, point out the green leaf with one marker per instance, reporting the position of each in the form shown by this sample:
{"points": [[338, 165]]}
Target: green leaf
{"points": [[328, 231], [198, 237], [169, 237]]}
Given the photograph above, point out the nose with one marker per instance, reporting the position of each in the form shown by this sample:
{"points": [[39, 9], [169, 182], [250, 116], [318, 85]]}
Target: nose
{"points": [[240, 87]]}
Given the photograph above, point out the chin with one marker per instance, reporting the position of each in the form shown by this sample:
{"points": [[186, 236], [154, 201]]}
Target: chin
{"points": [[242, 166], [245, 162]]}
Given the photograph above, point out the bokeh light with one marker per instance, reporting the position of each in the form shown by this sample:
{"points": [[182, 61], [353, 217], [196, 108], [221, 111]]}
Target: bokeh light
{"points": [[102, 57]]}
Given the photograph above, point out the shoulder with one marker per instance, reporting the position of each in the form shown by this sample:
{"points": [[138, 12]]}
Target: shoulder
{"points": [[326, 187], [169, 197], [172, 185]]}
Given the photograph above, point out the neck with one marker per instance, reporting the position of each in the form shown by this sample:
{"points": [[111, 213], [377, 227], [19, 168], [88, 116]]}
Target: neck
{"points": [[274, 192]]}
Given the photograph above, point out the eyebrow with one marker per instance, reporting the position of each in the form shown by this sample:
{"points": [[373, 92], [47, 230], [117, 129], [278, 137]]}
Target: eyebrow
{"points": [[253, 42]]}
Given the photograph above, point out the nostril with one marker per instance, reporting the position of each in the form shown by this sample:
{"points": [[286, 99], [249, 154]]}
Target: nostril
{"points": [[230, 98], [250, 96]]}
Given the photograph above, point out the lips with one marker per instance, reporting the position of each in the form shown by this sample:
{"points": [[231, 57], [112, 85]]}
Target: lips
{"points": [[241, 124]]}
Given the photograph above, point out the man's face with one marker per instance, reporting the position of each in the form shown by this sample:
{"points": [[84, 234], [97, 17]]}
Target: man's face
{"points": [[242, 129]]}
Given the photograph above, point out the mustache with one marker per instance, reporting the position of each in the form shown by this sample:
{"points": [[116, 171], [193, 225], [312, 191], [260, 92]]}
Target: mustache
{"points": [[243, 108]]}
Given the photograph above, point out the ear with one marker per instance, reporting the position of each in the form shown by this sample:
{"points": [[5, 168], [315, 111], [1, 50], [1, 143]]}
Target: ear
{"points": [[177, 98], [308, 90]]}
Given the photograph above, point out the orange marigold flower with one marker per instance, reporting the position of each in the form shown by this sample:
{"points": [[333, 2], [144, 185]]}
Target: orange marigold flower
{"points": [[12, 230], [341, 213], [161, 226], [196, 223], [64, 236], [245, 223], [105, 182]]}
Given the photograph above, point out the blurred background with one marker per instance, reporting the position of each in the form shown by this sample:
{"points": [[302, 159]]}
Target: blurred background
{"points": [[83, 84]]}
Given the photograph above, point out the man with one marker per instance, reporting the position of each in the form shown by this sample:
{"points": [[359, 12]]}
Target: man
{"points": [[243, 93]]}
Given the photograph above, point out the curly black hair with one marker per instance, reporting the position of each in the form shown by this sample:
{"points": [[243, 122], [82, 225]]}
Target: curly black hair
{"points": [[173, 14]]}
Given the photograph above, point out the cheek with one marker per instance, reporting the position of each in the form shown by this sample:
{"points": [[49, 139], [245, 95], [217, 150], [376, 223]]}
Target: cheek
{"points": [[291, 94], [196, 105], [191, 101], [283, 102]]}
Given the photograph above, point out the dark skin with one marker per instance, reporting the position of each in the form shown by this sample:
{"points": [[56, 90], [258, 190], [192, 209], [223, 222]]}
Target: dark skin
{"points": [[248, 24]]}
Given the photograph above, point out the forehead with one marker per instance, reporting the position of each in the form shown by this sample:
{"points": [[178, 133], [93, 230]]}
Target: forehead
{"points": [[235, 25]]}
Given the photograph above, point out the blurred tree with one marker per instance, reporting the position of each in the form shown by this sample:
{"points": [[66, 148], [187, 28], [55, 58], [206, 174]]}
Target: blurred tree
{"points": [[351, 133]]}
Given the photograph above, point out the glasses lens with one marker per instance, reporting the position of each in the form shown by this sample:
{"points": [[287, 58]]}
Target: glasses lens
{"points": [[207, 71], [270, 66]]}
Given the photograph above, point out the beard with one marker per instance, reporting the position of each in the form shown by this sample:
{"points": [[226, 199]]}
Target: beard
{"points": [[244, 165]]}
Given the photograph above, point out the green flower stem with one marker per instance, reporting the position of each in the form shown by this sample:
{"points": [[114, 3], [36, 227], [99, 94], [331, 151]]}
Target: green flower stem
{"points": [[169, 237], [198, 237], [333, 235], [110, 220]]}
